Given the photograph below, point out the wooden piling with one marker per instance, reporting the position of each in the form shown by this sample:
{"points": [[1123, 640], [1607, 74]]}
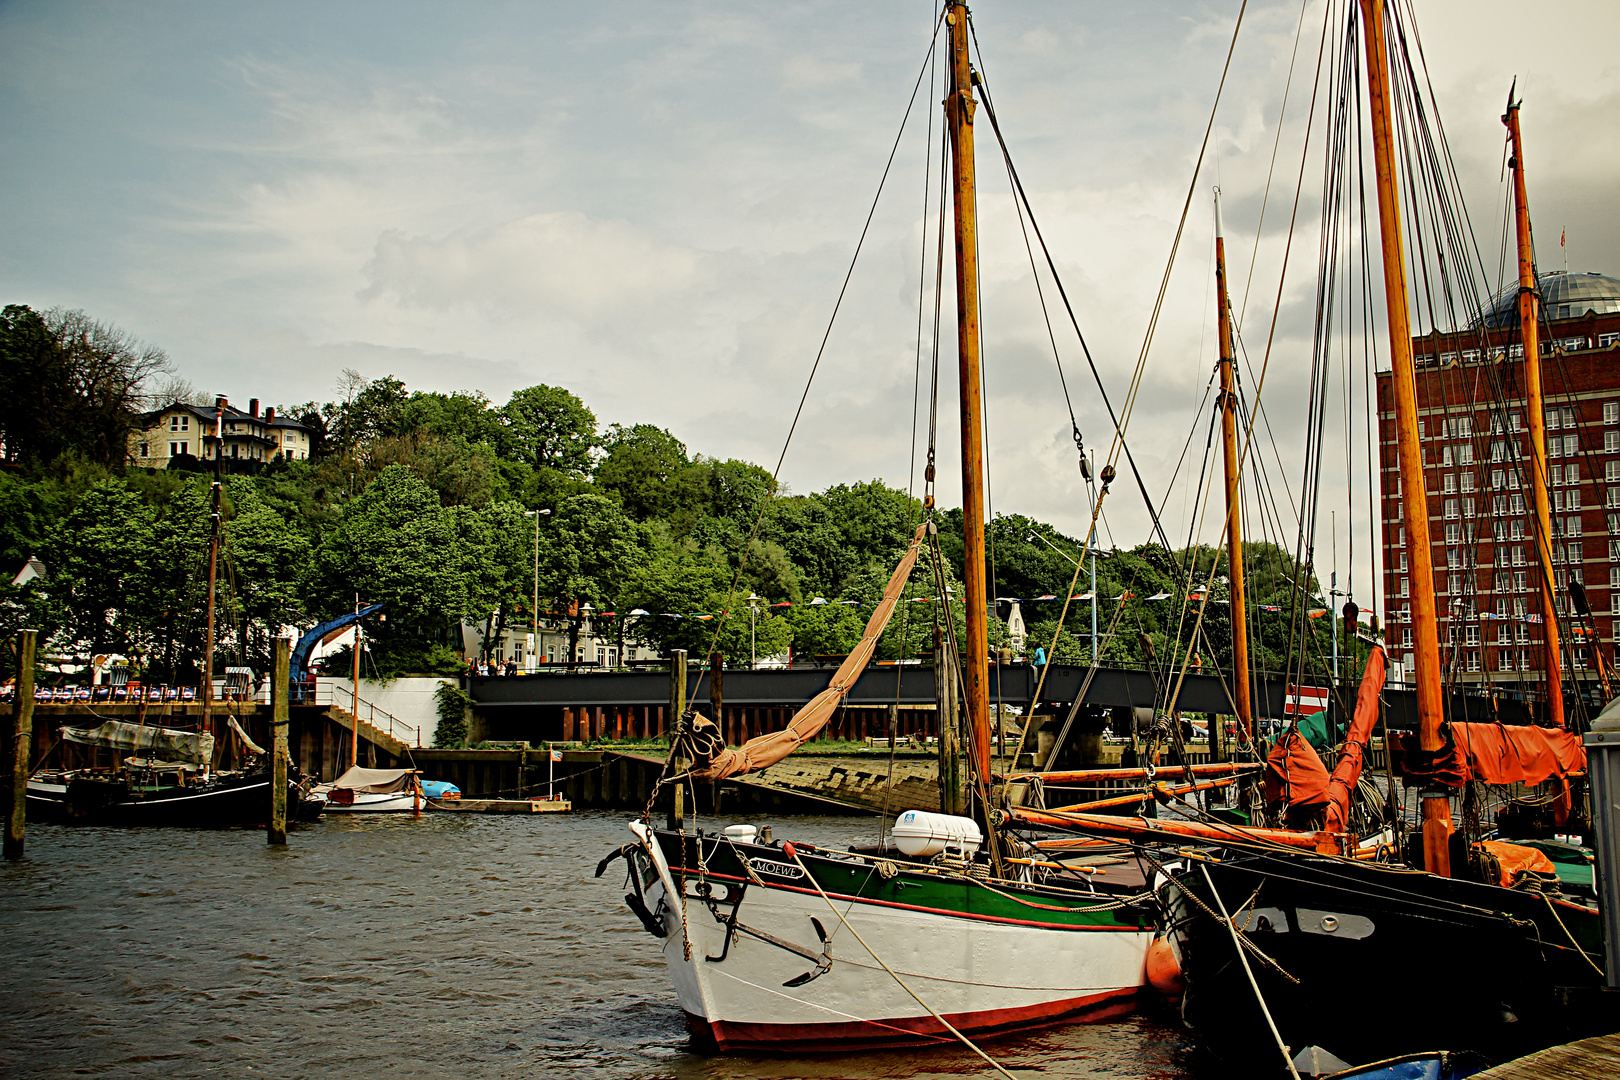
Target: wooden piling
{"points": [[677, 706], [276, 832], [22, 737]]}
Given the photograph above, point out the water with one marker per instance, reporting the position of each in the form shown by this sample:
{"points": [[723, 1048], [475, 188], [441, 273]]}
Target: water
{"points": [[454, 945]]}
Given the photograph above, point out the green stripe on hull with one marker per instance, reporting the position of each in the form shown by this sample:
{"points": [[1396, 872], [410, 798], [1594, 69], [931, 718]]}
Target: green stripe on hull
{"points": [[911, 888]]}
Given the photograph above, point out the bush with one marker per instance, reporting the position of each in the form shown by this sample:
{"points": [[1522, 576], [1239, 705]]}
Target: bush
{"points": [[453, 701]]}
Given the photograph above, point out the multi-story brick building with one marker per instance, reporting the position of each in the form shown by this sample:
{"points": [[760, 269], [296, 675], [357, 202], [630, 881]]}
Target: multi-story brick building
{"points": [[184, 431], [1477, 461]]}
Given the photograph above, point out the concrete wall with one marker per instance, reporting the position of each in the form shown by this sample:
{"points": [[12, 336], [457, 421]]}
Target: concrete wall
{"points": [[410, 700]]}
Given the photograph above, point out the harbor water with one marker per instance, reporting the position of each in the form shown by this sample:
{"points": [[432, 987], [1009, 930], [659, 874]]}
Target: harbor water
{"points": [[452, 945]]}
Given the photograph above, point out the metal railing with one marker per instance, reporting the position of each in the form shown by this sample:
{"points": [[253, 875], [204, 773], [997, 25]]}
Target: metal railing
{"points": [[381, 719]]}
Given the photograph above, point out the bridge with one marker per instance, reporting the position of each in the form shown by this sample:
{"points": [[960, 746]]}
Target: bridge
{"points": [[585, 705]]}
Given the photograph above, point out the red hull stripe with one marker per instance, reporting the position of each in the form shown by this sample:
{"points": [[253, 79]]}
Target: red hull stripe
{"points": [[675, 870], [854, 1035]]}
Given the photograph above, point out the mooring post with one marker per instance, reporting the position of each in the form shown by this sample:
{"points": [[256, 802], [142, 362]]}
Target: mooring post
{"points": [[677, 706], [22, 737], [276, 832]]}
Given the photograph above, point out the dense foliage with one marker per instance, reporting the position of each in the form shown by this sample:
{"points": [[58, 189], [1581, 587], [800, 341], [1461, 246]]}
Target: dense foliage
{"points": [[428, 503]]}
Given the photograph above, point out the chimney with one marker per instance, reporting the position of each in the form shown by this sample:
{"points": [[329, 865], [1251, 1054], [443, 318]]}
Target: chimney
{"points": [[270, 414], [253, 407]]}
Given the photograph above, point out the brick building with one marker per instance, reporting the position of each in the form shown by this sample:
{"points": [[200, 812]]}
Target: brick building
{"points": [[1476, 458]]}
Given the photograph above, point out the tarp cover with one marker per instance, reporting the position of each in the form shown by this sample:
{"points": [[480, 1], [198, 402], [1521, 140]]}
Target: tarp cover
{"points": [[766, 750], [1348, 771], [1294, 773], [194, 748], [376, 781], [1500, 754]]}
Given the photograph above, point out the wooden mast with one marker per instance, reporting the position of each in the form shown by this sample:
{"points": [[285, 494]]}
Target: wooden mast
{"points": [[1234, 526], [959, 106], [1529, 333], [215, 521], [1437, 826]]}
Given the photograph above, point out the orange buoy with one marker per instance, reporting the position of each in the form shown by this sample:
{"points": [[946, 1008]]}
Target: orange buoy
{"points": [[1163, 969]]}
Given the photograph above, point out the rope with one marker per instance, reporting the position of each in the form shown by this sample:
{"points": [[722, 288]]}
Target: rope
{"points": [[901, 982], [1248, 971]]}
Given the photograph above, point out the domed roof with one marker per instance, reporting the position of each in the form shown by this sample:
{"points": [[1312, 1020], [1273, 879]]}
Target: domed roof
{"points": [[1563, 295]]}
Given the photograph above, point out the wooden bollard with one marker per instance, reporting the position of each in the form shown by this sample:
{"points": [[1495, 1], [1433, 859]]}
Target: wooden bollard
{"points": [[276, 831], [22, 737]]}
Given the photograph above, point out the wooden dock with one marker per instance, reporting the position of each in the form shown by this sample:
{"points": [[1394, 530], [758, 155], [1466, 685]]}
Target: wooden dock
{"points": [[504, 806], [1588, 1059]]}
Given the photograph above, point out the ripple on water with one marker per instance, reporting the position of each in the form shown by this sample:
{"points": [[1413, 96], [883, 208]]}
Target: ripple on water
{"points": [[455, 946]]}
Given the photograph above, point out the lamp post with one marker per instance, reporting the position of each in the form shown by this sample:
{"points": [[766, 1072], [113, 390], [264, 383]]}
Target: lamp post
{"points": [[534, 613], [753, 610]]}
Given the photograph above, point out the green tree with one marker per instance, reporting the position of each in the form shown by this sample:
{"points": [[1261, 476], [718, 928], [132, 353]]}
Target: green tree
{"points": [[642, 467], [69, 383], [546, 427]]}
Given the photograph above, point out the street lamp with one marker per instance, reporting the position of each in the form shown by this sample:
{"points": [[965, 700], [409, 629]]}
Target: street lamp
{"points": [[534, 613], [752, 611]]}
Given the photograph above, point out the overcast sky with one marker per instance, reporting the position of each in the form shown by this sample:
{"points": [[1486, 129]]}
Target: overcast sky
{"points": [[653, 204]]}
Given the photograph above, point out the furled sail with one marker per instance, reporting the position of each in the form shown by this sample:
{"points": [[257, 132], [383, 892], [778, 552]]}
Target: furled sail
{"points": [[766, 750], [1348, 771], [194, 748]]}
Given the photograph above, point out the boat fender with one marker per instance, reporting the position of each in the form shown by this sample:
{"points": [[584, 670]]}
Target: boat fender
{"points": [[1163, 969], [653, 924]]}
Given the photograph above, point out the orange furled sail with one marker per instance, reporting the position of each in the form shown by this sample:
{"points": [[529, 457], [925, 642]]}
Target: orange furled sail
{"points": [[1348, 771], [766, 750]]}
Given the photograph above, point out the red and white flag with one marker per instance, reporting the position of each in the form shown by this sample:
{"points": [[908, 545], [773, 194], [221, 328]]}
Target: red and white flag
{"points": [[1304, 700]]}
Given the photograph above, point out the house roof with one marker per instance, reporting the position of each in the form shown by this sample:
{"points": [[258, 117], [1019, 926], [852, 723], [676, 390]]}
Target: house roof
{"points": [[209, 413]]}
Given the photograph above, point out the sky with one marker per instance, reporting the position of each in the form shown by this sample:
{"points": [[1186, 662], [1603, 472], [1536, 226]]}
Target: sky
{"points": [[654, 205]]}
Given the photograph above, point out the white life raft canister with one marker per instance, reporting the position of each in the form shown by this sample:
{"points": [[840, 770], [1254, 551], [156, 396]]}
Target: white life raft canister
{"points": [[922, 835]]}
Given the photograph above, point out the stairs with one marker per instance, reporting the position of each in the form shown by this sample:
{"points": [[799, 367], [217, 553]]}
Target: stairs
{"points": [[379, 738]]}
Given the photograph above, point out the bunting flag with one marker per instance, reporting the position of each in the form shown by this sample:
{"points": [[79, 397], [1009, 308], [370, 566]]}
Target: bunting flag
{"points": [[641, 611], [1048, 596], [1198, 594], [818, 601], [668, 615], [1126, 596], [1085, 596], [784, 603], [1532, 619], [1160, 596], [1317, 612], [850, 603], [701, 615], [1271, 609], [922, 599]]}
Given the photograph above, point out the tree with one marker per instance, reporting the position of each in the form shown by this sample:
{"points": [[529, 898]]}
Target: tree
{"points": [[642, 466], [70, 384], [101, 560], [427, 564], [546, 427]]}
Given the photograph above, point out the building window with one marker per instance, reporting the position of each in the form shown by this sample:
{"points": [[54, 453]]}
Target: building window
{"points": [[1518, 581], [1468, 508], [1611, 442], [1572, 525], [179, 423], [1516, 503], [1403, 559], [144, 448], [1401, 537], [1406, 587], [1498, 450], [1611, 412], [1572, 474], [1611, 469], [1448, 484], [1572, 499], [1465, 454], [1467, 481], [1453, 534], [1406, 638], [1445, 457], [176, 449], [1453, 559], [1451, 508], [1572, 445], [1579, 659]]}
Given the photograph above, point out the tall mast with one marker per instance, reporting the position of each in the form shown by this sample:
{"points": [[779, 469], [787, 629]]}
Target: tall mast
{"points": [[1529, 333], [959, 106], [214, 522], [1437, 827], [1234, 525]]}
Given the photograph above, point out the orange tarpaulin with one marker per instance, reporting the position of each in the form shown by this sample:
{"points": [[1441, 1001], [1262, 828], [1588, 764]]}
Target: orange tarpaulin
{"points": [[1294, 773], [766, 750], [1502, 754], [1348, 771], [1515, 860]]}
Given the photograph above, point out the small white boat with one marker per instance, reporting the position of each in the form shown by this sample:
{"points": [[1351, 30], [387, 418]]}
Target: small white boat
{"points": [[372, 791]]}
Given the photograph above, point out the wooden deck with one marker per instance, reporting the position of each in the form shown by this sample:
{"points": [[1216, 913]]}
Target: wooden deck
{"points": [[1588, 1059]]}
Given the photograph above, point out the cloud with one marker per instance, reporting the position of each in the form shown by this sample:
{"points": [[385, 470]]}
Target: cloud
{"points": [[564, 263]]}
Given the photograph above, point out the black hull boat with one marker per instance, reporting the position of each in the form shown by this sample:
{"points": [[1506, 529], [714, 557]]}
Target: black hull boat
{"points": [[223, 801], [1494, 965]]}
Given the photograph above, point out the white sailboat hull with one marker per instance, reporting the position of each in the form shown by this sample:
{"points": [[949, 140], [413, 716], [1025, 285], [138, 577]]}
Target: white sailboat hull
{"points": [[982, 975]]}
